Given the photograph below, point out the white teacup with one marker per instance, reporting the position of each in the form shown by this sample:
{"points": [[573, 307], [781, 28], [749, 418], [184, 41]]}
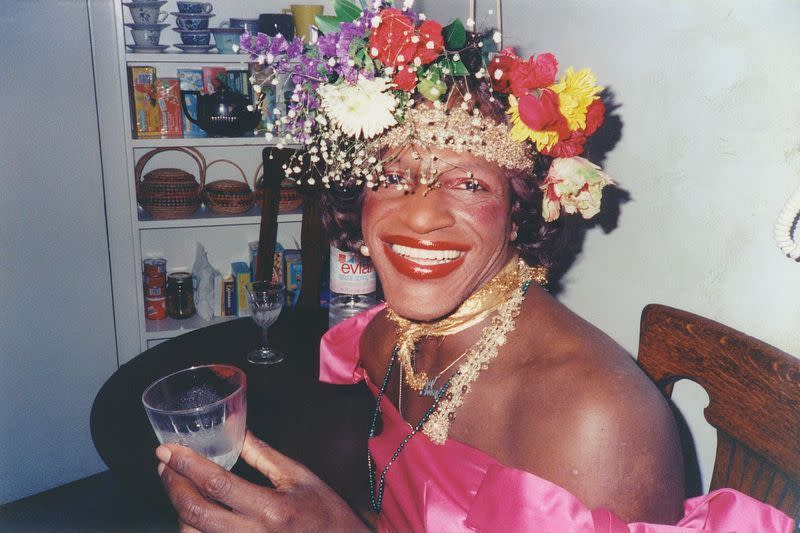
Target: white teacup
{"points": [[147, 35], [147, 14]]}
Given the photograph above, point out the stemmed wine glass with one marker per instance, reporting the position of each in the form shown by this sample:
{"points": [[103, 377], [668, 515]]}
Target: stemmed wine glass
{"points": [[266, 300]]}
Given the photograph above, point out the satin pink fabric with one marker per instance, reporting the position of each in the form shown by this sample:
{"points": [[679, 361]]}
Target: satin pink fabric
{"points": [[454, 487]]}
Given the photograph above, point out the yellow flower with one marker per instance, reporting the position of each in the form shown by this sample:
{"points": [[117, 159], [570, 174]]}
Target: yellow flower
{"points": [[544, 140], [576, 91]]}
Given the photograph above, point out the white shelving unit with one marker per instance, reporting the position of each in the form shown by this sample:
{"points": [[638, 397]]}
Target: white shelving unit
{"points": [[133, 234]]}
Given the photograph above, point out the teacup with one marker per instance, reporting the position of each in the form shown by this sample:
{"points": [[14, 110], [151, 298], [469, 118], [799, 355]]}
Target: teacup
{"points": [[195, 37], [226, 38], [147, 13], [191, 23], [194, 7], [146, 35], [275, 23]]}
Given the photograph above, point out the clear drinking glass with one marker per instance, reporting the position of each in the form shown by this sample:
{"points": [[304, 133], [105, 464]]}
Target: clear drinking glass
{"points": [[266, 300], [202, 407]]}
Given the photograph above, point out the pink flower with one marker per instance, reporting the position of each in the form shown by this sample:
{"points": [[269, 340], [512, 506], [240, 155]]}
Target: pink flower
{"points": [[540, 113], [574, 184], [537, 72], [405, 79]]}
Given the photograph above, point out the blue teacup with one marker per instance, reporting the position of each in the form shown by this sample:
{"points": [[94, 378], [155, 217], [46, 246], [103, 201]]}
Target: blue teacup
{"points": [[191, 23], [194, 7], [195, 37], [226, 38]]}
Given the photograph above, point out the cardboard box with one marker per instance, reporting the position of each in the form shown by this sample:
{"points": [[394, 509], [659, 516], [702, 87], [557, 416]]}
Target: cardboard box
{"points": [[213, 77], [169, 103], [294, 275], [143, 85], [228, 305], [241, 275], [191, 79]]}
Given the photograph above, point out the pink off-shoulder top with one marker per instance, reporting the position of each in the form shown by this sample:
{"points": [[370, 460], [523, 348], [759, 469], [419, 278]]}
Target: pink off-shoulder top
{"points": [[455, 487]]}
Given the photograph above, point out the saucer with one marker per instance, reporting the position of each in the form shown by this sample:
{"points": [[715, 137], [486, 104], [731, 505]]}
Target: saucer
{"points": [[148, 49], [190, 32], [134, 5], [135, 26], [192, 15], [194, 48]]}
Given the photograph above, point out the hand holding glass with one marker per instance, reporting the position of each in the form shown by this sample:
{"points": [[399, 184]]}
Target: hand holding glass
{"points": [[204, 408], [266, 300]]}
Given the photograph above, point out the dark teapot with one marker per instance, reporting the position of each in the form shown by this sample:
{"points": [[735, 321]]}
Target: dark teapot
{"points": [[222, 114]]}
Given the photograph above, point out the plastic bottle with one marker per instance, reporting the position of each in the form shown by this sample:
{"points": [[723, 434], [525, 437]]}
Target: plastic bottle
{"points": [[353, 285]]}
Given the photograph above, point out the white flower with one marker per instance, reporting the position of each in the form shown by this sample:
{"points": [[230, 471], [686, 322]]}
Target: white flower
{"points": [[364, 109], [497, 37], [375, 21], [574, 184]]}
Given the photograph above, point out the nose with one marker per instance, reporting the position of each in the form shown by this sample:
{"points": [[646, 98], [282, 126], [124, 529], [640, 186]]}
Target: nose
{"points": [[424, 213]]}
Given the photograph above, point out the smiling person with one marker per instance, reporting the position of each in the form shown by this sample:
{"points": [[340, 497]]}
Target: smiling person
{"points": [[496, 407]]}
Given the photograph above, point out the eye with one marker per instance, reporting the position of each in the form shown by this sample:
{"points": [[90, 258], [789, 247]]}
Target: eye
{"points": [[393, 178], [469, 184]]}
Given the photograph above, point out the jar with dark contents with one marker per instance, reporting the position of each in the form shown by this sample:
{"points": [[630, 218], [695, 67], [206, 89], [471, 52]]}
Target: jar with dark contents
{"points": [[180, 295]]}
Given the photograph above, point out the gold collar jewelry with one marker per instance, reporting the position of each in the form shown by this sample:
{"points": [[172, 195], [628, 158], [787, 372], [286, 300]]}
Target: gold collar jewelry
{"points": [[472, 311]]}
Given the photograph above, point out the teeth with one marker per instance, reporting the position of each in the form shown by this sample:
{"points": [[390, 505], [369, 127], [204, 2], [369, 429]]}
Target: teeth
{"points": [[424, 256]]}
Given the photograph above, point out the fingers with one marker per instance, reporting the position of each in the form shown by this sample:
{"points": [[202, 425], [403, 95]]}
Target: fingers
{"points": [[193, 480], [282, 471], [195, 511]]}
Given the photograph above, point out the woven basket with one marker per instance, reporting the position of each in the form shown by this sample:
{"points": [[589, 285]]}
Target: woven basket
{"points": [[290, 197], [167, 193], [228, 196]]}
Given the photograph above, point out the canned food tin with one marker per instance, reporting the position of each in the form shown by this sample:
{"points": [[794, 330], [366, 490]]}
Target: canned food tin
{"points": [[155, 281], [156, 291], [155, 308], [155, 266]]}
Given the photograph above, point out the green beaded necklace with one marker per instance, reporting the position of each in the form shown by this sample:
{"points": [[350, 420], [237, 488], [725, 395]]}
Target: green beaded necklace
{"points": [[377, 500]]}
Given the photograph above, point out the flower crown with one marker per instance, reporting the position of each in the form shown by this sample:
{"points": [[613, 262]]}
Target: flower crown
{"points": [[380, 77]]}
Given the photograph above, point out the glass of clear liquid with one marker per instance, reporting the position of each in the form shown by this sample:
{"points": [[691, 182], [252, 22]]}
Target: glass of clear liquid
{"points": [[266, 299], [202, 407]]}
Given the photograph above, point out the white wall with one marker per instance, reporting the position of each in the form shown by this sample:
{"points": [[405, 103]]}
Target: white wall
{"points": [[56, 322], [709, 95]]}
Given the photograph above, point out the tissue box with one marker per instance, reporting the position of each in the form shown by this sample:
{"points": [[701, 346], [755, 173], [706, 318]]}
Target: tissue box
{"points": [[241, 276]]}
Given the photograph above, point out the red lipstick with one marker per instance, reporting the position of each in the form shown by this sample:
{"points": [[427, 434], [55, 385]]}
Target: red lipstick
{"points": [[419, 271]]}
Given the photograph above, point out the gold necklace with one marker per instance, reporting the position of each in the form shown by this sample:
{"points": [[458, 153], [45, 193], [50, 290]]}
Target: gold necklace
{"points": [[471, 312]]}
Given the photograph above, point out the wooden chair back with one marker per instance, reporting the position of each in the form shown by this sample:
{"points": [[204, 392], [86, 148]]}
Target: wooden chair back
{"points": [[313, 245], [754, 399]]}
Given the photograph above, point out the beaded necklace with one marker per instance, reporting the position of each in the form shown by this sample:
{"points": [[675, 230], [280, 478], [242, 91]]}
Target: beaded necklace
{"points": [[478, 358], [376, 500]]}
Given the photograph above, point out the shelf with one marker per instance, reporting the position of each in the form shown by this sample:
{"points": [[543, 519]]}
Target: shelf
{"points": [[204, 218], [156, 142], [137, 59], [171, 327]]}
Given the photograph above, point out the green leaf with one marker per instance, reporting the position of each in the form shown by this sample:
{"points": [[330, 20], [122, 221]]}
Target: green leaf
{"points": [[327, 24], [455, 36], [432, 90], [457, 68], [346, 11]]}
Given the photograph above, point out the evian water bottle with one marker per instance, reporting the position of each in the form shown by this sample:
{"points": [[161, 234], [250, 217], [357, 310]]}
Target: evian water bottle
{"points": [[352, 285]]}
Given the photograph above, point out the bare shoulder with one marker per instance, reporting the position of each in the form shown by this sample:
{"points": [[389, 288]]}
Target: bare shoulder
{"points": [[376, 344], [602, 430]]}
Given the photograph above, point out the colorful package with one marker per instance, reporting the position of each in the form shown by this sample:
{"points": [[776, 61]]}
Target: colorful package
{"points": [[146, 118]]}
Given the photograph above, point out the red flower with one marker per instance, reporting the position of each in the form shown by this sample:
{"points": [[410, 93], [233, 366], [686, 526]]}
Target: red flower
{"points": [[431, 42], [535, 73], [595, 115], [390, 43], [405, 79], [569, 146], [541, 113], [500, 69]]}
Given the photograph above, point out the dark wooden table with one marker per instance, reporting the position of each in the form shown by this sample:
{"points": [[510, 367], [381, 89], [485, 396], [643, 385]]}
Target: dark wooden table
{"points": [[323, 426]]}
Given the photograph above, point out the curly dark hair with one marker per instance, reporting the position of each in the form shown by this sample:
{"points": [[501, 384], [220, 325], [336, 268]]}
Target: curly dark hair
{"points": [[538, 242]]}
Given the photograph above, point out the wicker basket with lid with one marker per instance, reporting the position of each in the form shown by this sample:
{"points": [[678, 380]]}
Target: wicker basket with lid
{"points": [[168, 193], [290, 197], [228, 196]]}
